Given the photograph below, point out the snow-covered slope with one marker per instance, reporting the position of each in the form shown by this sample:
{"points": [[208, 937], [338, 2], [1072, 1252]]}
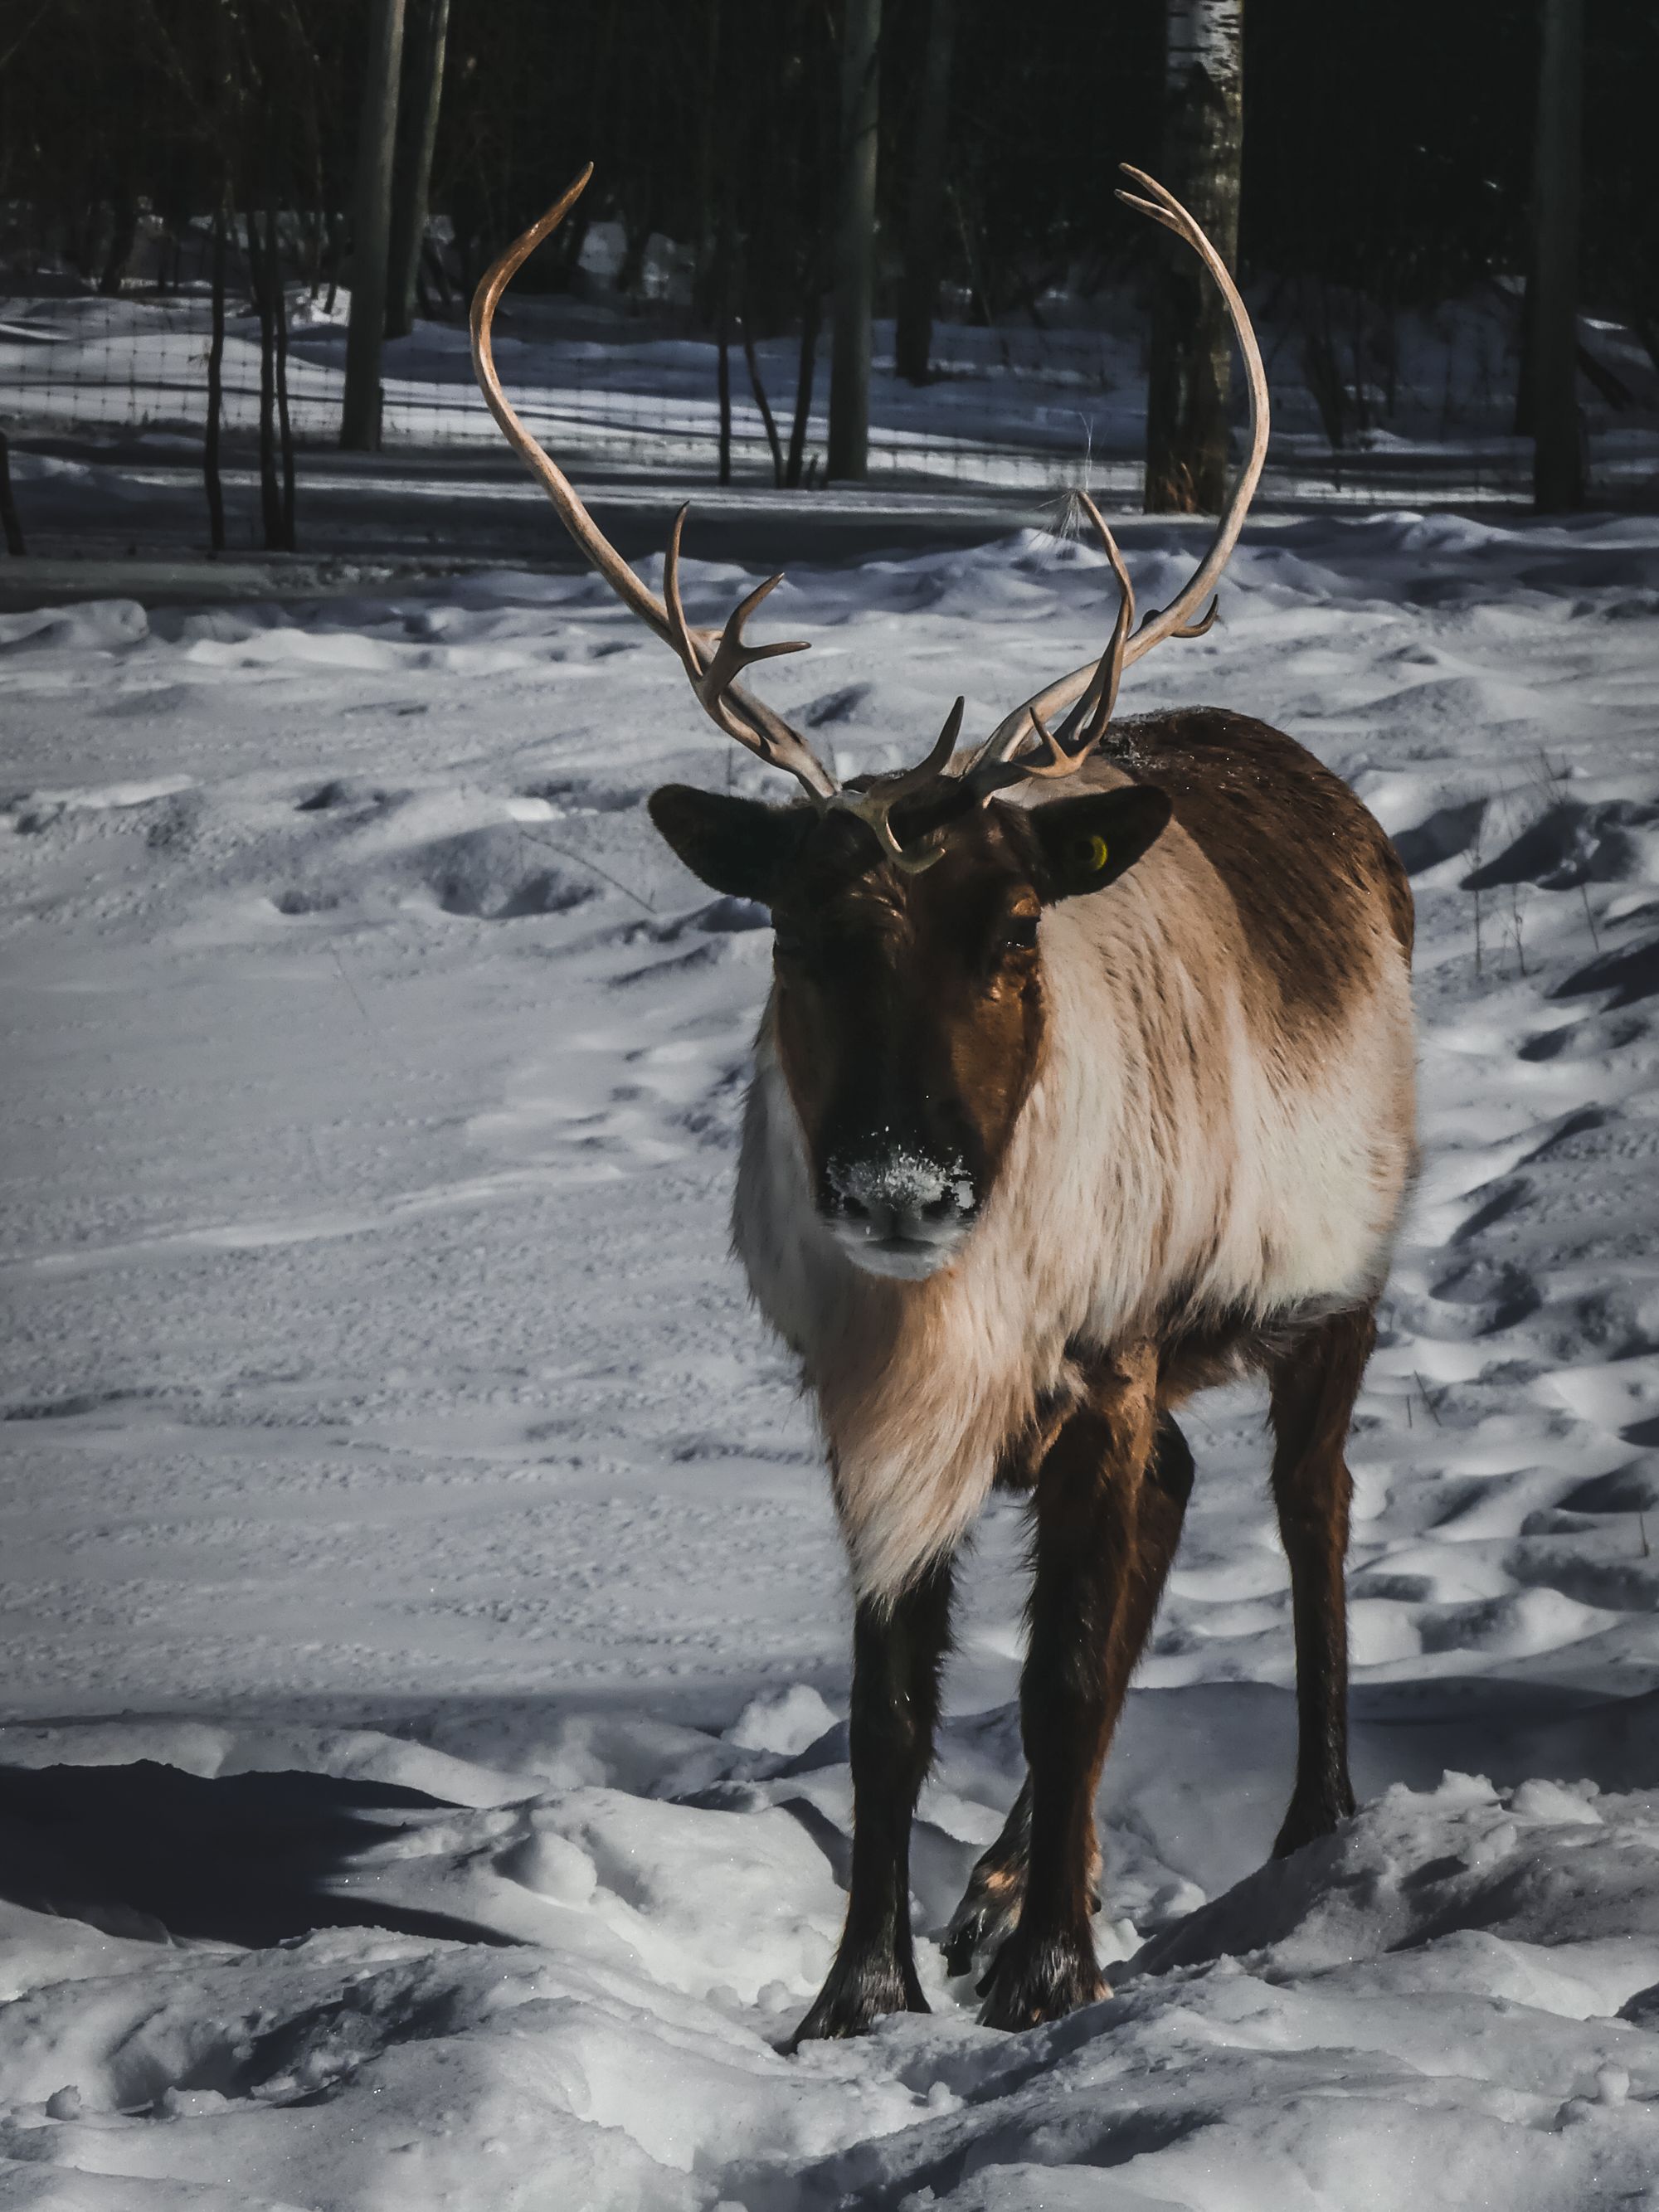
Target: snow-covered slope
{"points": [[391, 1462]]}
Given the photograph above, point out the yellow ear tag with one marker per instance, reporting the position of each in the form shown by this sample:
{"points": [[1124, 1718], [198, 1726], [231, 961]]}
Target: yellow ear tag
{"points": [[1098, 854]]}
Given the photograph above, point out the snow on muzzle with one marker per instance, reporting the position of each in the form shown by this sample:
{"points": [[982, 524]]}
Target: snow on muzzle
{"points": [[898, 1209]]}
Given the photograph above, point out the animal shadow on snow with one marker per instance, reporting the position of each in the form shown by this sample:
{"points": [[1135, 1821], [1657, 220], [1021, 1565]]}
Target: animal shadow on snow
{"points": [[150, 1851]]}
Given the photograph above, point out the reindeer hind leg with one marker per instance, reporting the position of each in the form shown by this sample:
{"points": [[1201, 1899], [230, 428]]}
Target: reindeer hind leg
{"points": [[1313, 1387], [990, 1904]]}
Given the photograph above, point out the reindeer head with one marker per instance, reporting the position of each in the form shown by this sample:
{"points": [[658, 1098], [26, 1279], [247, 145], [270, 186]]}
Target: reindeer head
{"points": [[908, 1006], [908, 1001]]}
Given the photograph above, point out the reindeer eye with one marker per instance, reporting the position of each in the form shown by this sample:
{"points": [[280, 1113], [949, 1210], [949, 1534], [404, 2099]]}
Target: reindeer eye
{"points": [[1019, 932]]}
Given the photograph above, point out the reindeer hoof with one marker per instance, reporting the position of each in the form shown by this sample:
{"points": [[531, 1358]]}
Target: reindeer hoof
{"points": [[855, 1998], [978, 1925], [1307, 1819], [986, 1916], [966, 1935], [1033, 1982]]}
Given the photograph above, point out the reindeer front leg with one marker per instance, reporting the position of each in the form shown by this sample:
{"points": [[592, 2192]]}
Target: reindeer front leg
{"points": [[1086, 1627], [898, 1651], [989, 1910]]}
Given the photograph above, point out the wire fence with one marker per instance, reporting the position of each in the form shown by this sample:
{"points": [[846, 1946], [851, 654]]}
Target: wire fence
{"points": [[611, 390]]}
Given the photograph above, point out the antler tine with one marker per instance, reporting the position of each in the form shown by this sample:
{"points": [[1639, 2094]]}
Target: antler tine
{"points": [[713, 683], [1205, 624], [732, 655], [1177, 619], [1070, 746], [875, 806], [994, 767], [1170, 215], [734, 711], [678, 635], [913, 779]]}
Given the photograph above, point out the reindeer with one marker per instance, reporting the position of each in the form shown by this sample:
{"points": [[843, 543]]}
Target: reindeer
{"points": [[1085, 1081]]}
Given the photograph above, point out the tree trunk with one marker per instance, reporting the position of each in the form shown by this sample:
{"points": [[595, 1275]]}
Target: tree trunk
{"points": [[723, 389], [124, 236], [279, 363], [9, 523], [432, 287], [360, 416], [1522, 424], [1557, 468], [332, 258], [412, 171], [855, 257], [1190, 375], [768, 421], [215, 388], [914, 338], [806, 373], [313, 223], [259, 273], [712, 203]]}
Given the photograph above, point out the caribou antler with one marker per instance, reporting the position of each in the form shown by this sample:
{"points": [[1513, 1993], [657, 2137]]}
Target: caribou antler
{"points": [[876, 805], [1091, 692], [713, 683], [711, 659], [1180, 617], [1064, 751]]}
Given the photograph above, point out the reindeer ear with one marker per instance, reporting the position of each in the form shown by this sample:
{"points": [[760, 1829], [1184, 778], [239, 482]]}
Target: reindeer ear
{"points": [[738, 846], [1089, 842]]}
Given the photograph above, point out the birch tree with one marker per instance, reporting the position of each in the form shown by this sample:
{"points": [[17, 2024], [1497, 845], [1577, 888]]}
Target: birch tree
{"points": [[1190, 375]]}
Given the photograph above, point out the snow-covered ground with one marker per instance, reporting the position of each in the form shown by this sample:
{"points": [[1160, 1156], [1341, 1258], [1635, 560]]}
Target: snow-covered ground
{"points": [[425, 1777]]}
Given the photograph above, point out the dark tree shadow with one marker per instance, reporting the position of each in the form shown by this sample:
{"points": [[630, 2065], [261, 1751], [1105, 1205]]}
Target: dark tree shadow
{"points": [[150, 1851]]}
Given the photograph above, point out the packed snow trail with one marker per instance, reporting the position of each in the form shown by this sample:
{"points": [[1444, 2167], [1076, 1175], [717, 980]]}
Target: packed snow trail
{"points": [[384, 1419]]}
